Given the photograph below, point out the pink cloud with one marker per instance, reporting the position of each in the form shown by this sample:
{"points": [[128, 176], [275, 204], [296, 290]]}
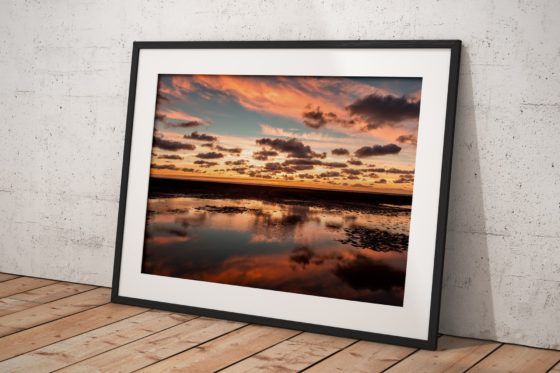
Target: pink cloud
{"points": [[282, 96], [290, 97]]}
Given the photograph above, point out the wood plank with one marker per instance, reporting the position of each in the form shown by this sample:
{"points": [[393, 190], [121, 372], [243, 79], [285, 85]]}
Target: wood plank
{"points": [[9, 305], [70, 326], [223, 351], [363, 357], [95, 342], [21, 284], [292, 355], [7, 276], [52, 292], [453, 355], [556, 368], [7, 330], [156, 347], [54, 310], [32, 298], [512, 358]]}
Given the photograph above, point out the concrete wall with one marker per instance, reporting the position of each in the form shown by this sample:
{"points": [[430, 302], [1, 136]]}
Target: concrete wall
{"points": [[64, 69]]}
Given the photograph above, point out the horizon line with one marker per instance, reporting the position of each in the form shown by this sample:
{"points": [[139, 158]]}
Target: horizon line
{"points": [[256, 183]]}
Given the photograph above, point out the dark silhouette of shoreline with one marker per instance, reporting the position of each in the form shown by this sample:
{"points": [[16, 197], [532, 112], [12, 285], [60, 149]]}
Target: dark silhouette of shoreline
{"points": [[162, 187]]}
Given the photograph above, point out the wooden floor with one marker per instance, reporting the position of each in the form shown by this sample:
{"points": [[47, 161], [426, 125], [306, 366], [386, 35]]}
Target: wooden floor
{"points": [[49, 325]]}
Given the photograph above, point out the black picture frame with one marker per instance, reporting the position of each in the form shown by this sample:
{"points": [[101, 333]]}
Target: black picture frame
{"points": [[431, 343]]}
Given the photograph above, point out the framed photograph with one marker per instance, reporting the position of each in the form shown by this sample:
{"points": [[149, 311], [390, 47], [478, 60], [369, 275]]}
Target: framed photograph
{"points": [[295, 184]]}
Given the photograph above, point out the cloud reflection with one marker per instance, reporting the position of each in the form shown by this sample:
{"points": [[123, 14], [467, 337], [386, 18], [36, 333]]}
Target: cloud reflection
{"points": [[307, 249]]}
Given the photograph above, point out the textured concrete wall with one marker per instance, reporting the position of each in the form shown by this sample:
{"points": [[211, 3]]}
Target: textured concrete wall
{"points": [[64, 69]]}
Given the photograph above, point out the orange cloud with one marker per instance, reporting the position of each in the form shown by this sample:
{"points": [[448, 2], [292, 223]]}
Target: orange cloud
{"points": [[289, 97], [180, 115]]}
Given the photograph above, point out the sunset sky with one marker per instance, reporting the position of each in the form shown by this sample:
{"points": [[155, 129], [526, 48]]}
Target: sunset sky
{"points": [[314, 132]]}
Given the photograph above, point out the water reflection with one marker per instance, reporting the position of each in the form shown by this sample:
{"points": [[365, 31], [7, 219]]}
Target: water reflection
{"points": [[348, 253]]}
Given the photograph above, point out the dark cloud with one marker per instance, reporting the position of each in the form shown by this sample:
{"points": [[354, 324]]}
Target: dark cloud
{"points": [[351, 171], [208, 145], [379, 111], [160, 142], [205, 163], [186, 169], [302, 167], [210, 155], [316, 118], [273, 166], [381, 181], [239, 162], [355, 162], [200, 137], [163, 166], [393, 170], [335, 164], [306, 176], [340, 151], [404, 179], [170, 156], [368, 151], [302, 164], [161, 98], [329, 174], [160, 117], [187, 124], [263, 155], [229, 150], [292, 147], [407, 139], [239, 170], [276, 167]]}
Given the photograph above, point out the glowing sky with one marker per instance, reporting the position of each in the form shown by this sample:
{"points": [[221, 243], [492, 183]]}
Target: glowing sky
{"points": [[313, 132]]}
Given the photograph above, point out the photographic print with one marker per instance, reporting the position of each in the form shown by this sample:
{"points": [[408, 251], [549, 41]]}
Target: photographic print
{"points": [[290, 183], [297, 184]]}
